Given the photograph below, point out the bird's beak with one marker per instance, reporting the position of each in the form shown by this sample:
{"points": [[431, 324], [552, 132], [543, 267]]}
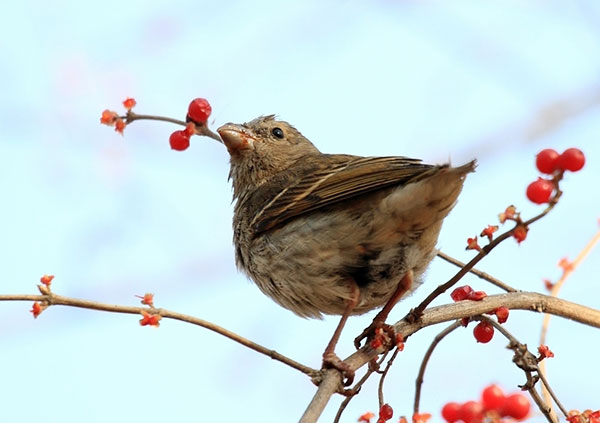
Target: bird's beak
{"points": [[236, 137]]}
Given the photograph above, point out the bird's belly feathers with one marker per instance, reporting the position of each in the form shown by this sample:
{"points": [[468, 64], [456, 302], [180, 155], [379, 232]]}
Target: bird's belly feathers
{"points": [[310, 264]]}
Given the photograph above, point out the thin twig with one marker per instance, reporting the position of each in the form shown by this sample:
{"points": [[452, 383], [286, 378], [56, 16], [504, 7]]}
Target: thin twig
{"points": [[527, 362], [426, 357], [554, 292], [484, 251], [357, 388], [542, 405], [384, 374], [483, 275], [547, 388], [200, 129], [54, 299]]}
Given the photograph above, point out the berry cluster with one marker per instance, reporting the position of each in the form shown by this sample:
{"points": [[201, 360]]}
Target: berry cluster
{"points": [[386, 413], [588, 416], [44, 288], [493, 406], [510, 213], [112, 118], [549, 162], [384, 337], [484, 331], [197, 115]]}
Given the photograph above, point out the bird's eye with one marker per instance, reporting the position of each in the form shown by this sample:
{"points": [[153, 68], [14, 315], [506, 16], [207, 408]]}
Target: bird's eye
{"points": [[277, 132]]}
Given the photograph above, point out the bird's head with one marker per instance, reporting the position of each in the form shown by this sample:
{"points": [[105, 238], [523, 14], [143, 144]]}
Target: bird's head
{"points": [[261, 148]]}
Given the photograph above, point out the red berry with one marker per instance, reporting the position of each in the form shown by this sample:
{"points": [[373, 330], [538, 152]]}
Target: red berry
{"points": [[571, 159], [492, 397], [461, 293], [386, 412], [199, 110], [483, 332], [179, 140], [547, 161], [451, 412], [477, 295], [540, 191], [471, 412], [502, 314], [516, 406], [520, 233]]}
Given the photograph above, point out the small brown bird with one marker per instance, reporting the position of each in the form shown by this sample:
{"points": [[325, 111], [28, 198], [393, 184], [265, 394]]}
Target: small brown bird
{"points": [[333, 233]]}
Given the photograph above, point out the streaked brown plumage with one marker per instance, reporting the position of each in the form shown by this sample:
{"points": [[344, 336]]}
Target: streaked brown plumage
{"points": [[332, 233]]}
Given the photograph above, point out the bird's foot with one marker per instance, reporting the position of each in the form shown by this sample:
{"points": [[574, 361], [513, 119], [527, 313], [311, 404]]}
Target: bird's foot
{"points": [[332, 361], [377, 334]]}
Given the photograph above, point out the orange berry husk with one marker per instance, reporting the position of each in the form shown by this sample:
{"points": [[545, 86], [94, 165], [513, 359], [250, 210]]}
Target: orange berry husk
{"points": [[421, 417], [46, 279], [489, 231], [472, 244], [120, 126], [565, 264], [148, 299], [545, 351], [37, 309], [509, 214], [366, 418], [108, 117], [129, 103], [150, 319]]}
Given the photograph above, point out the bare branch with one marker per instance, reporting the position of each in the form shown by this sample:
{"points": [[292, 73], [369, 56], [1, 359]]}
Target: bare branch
{"points": [[426, 357], [515, 300], [53, 299], [356, 388]]}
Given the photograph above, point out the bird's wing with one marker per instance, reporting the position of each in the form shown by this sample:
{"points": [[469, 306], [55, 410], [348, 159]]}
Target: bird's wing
{"points": [[328, 180]]}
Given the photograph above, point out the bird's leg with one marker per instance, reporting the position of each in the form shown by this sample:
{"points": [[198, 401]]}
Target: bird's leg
{"points": [[379, 320], [330, 359]]}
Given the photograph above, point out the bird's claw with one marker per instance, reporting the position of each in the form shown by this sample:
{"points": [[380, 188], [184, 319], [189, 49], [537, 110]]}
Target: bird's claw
{"points": [[377, 334], [332, 361]]}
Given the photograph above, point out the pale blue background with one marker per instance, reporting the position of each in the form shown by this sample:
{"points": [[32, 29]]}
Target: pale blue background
{"points": [[115, 216]]}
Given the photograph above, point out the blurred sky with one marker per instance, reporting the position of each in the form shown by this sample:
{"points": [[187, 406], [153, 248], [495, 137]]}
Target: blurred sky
{"points": [[115, 216]]}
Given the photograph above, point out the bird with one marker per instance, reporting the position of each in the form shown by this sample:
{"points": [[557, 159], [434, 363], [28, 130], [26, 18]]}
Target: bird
{"points": [[333, 234]]}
